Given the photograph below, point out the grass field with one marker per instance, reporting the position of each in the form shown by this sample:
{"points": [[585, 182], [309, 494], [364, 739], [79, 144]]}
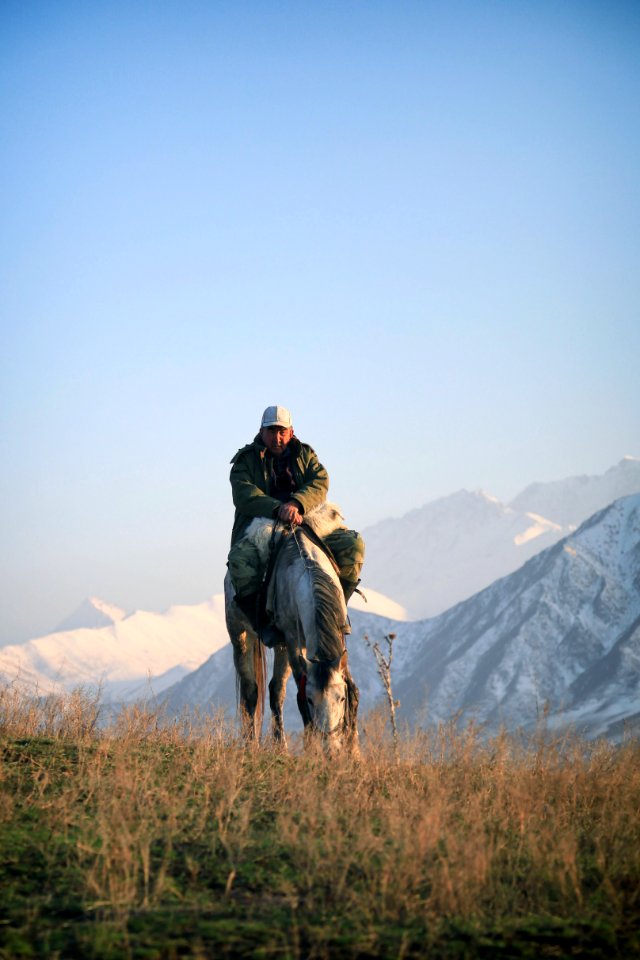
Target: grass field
{"points": [[154, 841]]}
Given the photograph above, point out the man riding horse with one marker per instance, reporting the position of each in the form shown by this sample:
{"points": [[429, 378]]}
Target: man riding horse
{"points": [[279, 477]]}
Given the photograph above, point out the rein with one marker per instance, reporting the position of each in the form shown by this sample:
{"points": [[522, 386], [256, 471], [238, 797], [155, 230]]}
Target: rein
{"points": [[313, 536], [274, 548], [275, 544]]}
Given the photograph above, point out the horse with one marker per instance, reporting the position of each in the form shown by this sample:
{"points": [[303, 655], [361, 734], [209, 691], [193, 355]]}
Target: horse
{"points": [[306, 602]]}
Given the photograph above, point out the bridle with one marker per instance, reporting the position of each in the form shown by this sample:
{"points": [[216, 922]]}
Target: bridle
{"points": [[303, 704]]}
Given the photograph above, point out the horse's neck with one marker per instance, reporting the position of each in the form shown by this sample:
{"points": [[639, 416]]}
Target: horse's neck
{"points": [[295, 599]]}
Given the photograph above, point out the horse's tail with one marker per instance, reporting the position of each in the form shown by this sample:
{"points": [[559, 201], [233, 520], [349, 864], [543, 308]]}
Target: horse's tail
{"points": [[260, 673], [251, 682]]}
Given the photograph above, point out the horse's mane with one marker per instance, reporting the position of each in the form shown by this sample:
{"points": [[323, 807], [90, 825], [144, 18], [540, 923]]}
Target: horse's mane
{"points": [[329, 610]]}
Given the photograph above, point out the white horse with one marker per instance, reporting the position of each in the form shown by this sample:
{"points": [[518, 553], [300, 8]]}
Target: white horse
{"points": [[306, 603]]}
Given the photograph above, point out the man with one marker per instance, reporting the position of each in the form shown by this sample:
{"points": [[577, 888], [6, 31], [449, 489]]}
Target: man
{"points": [[278, 476]]}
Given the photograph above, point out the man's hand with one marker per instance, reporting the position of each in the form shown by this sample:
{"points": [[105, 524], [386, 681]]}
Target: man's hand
{"points": [[290, 513]]}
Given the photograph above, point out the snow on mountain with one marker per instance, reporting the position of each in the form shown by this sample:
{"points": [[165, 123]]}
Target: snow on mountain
{"points": [[446, 551], [561, 634], [130, 657], [92, 612], [569, 502], [375, 602], [451, 548]]}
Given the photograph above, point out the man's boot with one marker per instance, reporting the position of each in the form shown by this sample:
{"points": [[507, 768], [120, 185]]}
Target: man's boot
{"points": [[268, 632], [349, 587], [249, 606]]}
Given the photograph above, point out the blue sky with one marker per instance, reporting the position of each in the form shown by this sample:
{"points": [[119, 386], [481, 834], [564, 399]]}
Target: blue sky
{"points": [[417, 225]]}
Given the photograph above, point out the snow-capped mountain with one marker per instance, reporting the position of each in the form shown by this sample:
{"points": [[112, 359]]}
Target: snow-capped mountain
{"points": [[446, 551], [569, 502], [560, 636], [92, 612], [451, 548], [129, 658]]}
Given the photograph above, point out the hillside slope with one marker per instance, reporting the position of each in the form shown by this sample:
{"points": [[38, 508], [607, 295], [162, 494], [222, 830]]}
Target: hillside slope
{"points": [[561, 635]]}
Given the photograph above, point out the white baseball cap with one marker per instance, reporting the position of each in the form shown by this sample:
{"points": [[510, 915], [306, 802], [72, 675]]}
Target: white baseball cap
{"points": [[276, 417]]}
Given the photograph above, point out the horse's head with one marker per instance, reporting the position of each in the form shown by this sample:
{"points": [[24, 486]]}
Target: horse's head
{"points": [[323, 696]]}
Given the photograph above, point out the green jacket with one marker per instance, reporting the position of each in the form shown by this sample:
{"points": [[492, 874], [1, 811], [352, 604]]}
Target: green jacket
{"points": [[250, 482]]}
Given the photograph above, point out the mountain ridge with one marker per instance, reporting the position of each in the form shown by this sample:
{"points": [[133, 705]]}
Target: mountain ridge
{"points": [[570, 501], [92, 612], [449, 549]]}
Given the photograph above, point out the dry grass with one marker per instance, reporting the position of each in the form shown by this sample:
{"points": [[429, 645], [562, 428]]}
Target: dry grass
{"points": [[459, 841]]}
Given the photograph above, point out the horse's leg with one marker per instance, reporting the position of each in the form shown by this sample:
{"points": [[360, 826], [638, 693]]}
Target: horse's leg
{"points": [[247, 683], [249, 661], [277, 688]]}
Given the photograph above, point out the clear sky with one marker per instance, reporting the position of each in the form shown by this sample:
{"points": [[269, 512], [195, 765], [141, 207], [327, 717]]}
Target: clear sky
{"points": [[415, 224]]}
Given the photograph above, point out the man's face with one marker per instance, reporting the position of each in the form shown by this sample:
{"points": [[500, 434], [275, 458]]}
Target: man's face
{"points": [[276, 439]]}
